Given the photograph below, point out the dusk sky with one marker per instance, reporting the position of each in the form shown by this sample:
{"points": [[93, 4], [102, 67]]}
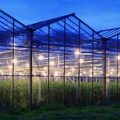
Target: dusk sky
{"points": [[99, 14]]}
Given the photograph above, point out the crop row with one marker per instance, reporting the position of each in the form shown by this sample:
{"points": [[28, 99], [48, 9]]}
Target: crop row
{"points": [[56, 93]]}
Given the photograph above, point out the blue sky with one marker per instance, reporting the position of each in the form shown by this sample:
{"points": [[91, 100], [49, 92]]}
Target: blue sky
{"points": [[99, 14]]}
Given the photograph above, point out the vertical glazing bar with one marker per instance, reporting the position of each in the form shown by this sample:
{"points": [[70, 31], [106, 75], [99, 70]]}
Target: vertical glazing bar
{"points": [[48, 63], [92, 66], [64, 59], [104, 41], [30, 68], [78, 90], [117, 97], [13, 66]]}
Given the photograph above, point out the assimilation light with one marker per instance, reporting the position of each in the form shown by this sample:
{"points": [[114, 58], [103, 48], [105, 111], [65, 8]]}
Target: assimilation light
{"points": [[27, 65], [41, 57], [14, 61], [73, 69], [56, 73], [52, 63], [81, 61], [118, 57], [77, 52]]}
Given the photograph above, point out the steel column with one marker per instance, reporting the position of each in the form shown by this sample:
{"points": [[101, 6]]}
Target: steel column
{"points": [[78, 97], [30, 67], [64, 60], [13, 66], [48, 64], [92, 65], [117, 68], [104, 42]]}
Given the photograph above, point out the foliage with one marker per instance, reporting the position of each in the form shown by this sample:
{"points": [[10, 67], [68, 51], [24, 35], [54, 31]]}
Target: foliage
{"points": [[54, 93]]}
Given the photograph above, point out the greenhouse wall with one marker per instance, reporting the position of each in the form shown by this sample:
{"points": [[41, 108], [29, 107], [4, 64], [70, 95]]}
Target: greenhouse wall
{"points": [[58, 61]]}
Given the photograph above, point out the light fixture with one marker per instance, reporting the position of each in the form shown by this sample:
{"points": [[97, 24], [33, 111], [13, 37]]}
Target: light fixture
{"points": [[81, 61], [77, 52], [40, 57], [44, 74], [27, 65], [35, 74], [73, 69], [90, 71], [1, 72], [81, 74], [95, 73], [52, 63], [95, 68], [118, 74], [45, 68], [112, 70], [10, 66], [101, 72], [56, 73], [14, 61], [20, 73], [111, 73], [90, 75], [84, 72], [118, 57], [68, 74]]}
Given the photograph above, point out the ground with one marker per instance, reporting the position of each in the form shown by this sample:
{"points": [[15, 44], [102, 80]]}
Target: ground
{"points": [[56, 112]]}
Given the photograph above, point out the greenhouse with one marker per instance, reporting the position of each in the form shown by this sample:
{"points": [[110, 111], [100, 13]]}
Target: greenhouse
{"points": [[58, 61]]}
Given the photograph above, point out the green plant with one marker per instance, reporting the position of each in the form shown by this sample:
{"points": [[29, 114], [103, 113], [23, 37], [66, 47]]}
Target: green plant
{"points": [[54, 91]]}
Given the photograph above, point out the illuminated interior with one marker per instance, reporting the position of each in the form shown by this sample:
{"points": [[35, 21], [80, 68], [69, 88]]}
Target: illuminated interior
{"points": [[63, 49]]}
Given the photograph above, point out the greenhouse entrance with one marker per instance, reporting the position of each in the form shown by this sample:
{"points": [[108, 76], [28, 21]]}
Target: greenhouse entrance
{"points": [[58, 61]]}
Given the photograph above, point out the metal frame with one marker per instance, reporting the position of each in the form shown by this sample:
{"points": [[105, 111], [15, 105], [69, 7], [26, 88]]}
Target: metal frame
{"points": [[62, 35]]}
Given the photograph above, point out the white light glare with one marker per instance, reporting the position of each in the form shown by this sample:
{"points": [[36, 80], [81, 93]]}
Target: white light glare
{"points": [[44, 74], [68, 74], [118, 57], [84, 72], [45, 68], [77, 52], [27, 65], [10, 66], [14, 61], [20, 73], [81, 60], [52, 63], [112, 70], [95, 68], [73, 69], [56, 74], [41, 57]]}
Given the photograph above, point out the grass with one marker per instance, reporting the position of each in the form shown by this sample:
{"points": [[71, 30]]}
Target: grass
{"points": [[58, 112]]}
